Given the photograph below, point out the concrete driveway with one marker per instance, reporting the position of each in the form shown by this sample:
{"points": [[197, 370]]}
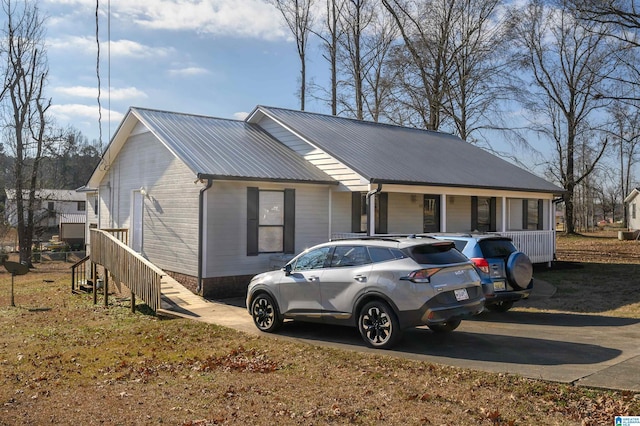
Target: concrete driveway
{"points": [[587, 350]]}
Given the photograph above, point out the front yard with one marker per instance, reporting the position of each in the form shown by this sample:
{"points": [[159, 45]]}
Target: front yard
{"points": [[65, 361]]}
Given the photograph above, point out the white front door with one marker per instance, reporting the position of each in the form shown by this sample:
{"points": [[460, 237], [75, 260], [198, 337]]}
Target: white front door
{"points": [[136, 221]]}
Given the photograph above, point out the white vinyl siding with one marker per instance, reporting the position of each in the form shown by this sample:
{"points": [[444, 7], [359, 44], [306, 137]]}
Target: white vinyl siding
{"points": [[340, 212], [170, 209], [226, 234], [458, 213], [405, 213], [315, 156]]}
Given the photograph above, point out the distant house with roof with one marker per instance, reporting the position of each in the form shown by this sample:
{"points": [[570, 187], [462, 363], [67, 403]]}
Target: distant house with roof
{"points": [[632, 203], [57, 211], [214, 201]]}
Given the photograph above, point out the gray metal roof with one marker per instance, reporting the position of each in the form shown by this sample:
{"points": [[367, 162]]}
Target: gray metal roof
{"points": [[386, 153], [222, 148]]}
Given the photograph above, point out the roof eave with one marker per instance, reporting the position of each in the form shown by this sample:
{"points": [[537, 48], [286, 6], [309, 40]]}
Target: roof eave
{"points": [[204, 176], [449, 185]]}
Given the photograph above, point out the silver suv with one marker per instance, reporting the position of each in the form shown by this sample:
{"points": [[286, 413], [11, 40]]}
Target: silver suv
{"points": [[380, 285]]}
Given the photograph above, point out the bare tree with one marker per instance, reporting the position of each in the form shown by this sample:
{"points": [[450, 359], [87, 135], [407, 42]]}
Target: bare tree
{"points": [[297, 16], [625, 132], [480, 65], [569, 62], [24, 107], [368, 35], [331, 35], [423, 69]]}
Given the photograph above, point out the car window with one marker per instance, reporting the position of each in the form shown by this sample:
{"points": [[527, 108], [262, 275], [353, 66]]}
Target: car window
{"points": [[496, 248], [382, 254], [436, 254], [314, 259], [460, 244], [349, 256]]}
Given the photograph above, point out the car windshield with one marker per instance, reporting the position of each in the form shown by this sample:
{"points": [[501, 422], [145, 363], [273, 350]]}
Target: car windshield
{"points": [[435, 254], [496, 248]]}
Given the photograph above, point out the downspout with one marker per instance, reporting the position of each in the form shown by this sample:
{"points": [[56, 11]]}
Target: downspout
{"points": [[201, 231], [369, 195]]}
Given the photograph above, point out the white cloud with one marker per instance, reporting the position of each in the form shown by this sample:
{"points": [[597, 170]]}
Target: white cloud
{"points": [[79, 112], [92, 92], [240, 115], [234, 18], [122, 48], [188, 71]]}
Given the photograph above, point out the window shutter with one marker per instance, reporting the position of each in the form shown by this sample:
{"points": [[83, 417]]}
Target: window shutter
{"points": [[540, 215], [525, 214], [289, 220], [493, 222], [252, 221], [356, 208], [474, 213], [383, 212]]}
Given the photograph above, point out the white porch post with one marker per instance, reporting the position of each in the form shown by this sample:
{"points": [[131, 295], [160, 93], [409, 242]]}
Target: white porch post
{"points": [[443, 213], [504, 214], [371, 217], [330, 213]]}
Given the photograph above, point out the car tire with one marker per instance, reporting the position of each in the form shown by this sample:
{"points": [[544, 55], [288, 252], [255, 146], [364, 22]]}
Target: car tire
{"points": [[503, 306], [265, 313], [378, 325], [445, 327], [519, 270]]}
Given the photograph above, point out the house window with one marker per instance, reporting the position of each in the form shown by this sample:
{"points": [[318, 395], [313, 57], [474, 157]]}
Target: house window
{"points": [[270, 221], [483, 214], [82, 206], [532, 214], [431, 213], [51, 209], [359, 212]]}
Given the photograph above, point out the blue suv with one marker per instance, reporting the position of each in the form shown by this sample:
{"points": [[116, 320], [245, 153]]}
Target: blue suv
{"points": [[510, 270]]}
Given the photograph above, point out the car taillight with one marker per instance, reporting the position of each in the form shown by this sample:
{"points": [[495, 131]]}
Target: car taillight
{"points": [[481, 263], [423, 275]]}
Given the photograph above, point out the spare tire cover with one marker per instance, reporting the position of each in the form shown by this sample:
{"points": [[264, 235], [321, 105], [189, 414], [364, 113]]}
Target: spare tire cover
{"points": [[519, 270]]}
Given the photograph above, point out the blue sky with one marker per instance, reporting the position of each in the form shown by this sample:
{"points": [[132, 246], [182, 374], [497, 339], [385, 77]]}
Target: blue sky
{"points": [[218, 58]]}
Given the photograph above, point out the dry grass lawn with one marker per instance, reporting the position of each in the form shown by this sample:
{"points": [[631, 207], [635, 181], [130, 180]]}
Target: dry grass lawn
{"points": [[65, 361]]}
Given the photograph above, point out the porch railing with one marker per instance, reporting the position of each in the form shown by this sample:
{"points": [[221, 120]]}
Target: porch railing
{"points": [[127, 267], [540, 246]]}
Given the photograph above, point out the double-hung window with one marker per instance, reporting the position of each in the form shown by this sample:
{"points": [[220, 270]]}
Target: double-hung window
{"points": [[270, 221]]}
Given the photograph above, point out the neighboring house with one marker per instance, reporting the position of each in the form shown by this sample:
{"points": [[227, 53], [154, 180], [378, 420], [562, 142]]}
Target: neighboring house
{"points": [[57, 211], [214, 201], [632, 202], [91, 212]]}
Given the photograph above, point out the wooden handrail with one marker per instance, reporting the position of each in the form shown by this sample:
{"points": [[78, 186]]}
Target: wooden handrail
{"points": [[126, 266]]}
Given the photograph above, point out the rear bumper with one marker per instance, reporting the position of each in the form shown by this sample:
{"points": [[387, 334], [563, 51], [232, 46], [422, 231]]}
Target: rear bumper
{"points": [[434, 313]]}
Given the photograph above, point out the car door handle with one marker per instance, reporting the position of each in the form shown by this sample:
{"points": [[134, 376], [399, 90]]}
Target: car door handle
{"points": [[313, 278], [360, 278]]}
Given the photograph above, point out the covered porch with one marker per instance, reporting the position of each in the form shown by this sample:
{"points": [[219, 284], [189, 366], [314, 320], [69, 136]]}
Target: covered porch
{"points": [[527, 217]]}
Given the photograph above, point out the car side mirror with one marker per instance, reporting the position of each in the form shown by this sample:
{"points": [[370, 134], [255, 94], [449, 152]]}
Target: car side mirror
{"points": [[287, 269]]}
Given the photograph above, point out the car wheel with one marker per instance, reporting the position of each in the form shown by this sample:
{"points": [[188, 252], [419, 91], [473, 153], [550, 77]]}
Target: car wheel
{"points": [[445, 327], [265, 313], [519, 270], [503, 306], [378, 325]]}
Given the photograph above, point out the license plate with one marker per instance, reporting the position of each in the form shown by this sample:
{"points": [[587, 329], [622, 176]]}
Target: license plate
{"points": [[461, 294], [499, 286]]}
